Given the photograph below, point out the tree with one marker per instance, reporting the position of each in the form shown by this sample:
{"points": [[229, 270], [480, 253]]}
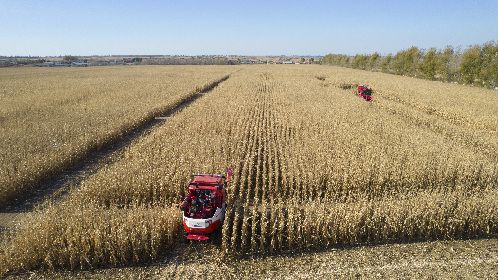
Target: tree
{"points": [[360, 62], [412, 58], [386, 64], [444, 67], [477, 65], [471, 64], [344, 61], [406, 61], [429, 65], [399, 63], [336, 60], [489, 65], [70, 58], [374, 58]]}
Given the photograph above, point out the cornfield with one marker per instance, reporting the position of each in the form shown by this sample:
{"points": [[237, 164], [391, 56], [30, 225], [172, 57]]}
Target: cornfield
{"points": [[314, 167], [52, 118]]}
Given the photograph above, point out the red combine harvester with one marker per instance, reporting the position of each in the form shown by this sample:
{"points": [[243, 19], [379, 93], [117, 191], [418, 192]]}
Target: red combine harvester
{"points": [[204, 207], [365, 93]]}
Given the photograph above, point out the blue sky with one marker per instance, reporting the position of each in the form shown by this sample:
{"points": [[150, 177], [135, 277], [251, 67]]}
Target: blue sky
{"points": [[204, 27]]}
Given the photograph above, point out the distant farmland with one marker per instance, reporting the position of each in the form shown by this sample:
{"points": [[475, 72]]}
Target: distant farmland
{"points": [[315, 166]]}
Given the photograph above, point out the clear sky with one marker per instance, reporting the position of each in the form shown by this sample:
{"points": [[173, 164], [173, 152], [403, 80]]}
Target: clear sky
{"points": [[260, 27]]}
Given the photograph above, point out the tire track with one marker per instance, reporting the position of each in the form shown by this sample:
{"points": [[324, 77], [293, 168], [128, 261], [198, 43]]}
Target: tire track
{"points": [[481, 140], [441, 115]]}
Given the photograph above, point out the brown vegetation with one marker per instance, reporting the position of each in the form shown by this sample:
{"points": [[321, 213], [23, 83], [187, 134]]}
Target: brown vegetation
{"points": [[53, 117], [315, 166]]}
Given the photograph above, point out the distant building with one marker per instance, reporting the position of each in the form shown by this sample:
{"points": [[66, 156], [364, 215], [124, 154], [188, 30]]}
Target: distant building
{"points": [[79, 64], [62, 64], [45, 64]]}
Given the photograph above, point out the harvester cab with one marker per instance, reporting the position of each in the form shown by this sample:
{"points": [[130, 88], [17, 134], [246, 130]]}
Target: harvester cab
{"points": [[365, 93], [204, 207]]}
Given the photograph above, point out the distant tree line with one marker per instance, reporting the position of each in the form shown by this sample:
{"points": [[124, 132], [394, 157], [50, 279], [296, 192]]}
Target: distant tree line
{"points": [[476, 65]]}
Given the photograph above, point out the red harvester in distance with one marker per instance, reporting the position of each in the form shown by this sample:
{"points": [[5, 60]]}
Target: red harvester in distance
{"points": [[365, 93], [204, 207]]}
